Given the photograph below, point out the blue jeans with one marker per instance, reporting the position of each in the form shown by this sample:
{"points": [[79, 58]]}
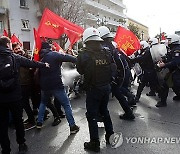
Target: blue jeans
{"points": [[61, 96]]}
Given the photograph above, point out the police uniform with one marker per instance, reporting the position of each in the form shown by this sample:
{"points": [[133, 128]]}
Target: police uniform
{"points": [[174, 70], [116, 86], [148, 75], [95, 65]]}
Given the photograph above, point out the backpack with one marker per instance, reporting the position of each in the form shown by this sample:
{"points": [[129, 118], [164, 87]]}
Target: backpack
{"points": [[102, 68], [8, 72]]}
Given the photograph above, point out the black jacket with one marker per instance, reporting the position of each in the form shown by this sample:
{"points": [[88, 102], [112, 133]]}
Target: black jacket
{"points": [[50, 78], [15, 95], [145, 60]]}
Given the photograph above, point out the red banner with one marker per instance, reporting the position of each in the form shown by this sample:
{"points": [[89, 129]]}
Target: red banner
{"points": [[73, 37], [163, 36], [5, 33], [14, 39], [38, 44], [127, 41], [57, 47], [53, 26]]}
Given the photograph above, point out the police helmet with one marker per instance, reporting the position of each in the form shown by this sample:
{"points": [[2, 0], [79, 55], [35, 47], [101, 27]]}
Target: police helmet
{"points": [[144, 44], [104, 32], [173, 39], [153, 41], [91, 34]]}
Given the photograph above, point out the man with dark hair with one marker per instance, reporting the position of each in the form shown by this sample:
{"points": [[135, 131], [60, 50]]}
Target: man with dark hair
{"points": [[10, 94], [4, 40], [26, 80]]}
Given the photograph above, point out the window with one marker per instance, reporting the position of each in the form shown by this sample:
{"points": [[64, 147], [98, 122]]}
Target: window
{"points": [[25, 24], [1, 26], [26, 45], [23, 3]]}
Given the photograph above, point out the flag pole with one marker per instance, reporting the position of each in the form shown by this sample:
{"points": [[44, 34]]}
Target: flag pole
{"points": [[33, 50], [77, 46], [160, 35]]}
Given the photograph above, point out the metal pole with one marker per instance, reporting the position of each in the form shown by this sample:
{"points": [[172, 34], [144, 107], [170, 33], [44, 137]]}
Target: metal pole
{"points": [[33, 50]]}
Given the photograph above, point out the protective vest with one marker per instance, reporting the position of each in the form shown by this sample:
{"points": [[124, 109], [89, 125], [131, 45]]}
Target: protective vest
{"points": [[102, 68]]}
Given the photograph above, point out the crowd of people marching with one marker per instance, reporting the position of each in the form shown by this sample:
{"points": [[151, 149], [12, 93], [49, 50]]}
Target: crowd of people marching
{"points": [[103, 69]]}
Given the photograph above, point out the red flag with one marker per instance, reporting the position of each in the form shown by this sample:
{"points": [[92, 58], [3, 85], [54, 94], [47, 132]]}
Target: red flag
{"points": [[73, 36], [57, 47], [52, 25], [38, 44], [14, 39], [127, 41], [5, 33], [163, 36]]}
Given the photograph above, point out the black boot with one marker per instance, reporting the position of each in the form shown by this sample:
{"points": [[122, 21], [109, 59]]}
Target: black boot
{"points": [[23, 148], [176, 98], [127, 116], [107, 136], [92, 146], [56, 121], [151, 93], [161, 104]]}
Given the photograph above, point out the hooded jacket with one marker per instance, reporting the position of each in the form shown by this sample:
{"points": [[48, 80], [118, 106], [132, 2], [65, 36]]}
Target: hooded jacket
{"points": [[50, 79], [20, 61]]}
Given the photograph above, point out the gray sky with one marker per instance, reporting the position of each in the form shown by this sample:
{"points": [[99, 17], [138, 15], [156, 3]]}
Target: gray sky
{"points": [[155, 14]]}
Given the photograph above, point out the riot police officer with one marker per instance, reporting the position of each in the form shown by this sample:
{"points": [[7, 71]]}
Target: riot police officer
{"points": [[146, 63], [173, 64], [95, 64], [122, 74]]}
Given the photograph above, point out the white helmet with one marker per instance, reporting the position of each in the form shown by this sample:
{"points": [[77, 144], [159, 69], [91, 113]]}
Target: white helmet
{"points": [[91, 34], [144, 44], [153, 41], [104, 32], [173, 39]]}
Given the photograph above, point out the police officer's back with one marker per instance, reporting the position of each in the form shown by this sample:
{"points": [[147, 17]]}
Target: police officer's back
{"points": [[95, 64]]}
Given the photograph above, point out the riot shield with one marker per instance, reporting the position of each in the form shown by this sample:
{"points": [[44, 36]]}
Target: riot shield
{"points": [[137, 69], [157, 52]]}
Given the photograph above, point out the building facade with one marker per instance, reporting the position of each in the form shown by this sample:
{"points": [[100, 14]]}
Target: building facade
{"points": [[19, 17], [143, 30], [105, 12]]}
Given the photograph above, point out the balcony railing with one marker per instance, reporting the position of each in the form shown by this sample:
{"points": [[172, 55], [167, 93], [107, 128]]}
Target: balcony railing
{"points": [[104, 8], [109, 22]]}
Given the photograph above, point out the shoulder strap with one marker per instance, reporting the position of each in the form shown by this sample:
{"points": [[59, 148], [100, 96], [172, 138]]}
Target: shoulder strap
{"points": [[14, 63]]}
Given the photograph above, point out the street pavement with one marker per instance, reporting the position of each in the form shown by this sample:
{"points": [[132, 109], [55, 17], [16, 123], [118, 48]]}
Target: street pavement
{"points": [[154, 131]]}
